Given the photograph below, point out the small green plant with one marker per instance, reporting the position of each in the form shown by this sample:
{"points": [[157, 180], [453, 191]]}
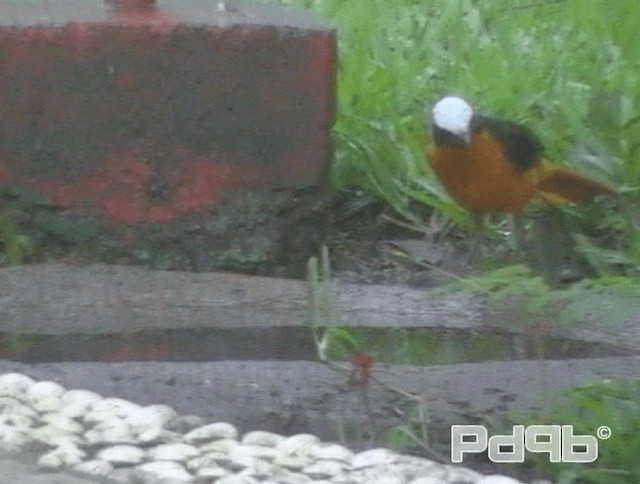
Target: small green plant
{"points": [[414, 433], [331, 339], [15, 247], [27, 216], [335, 341], [12, 345], [611, 403]]}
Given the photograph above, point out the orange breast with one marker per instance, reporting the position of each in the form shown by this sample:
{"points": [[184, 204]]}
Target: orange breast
{"points": [[481, 178]]}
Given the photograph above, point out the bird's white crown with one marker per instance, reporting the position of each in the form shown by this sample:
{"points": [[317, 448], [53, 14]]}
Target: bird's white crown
{"points": [[453, 114]]}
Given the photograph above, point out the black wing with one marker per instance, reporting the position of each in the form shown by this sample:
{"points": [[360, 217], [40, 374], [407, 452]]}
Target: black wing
{"points": [[521, 146]]}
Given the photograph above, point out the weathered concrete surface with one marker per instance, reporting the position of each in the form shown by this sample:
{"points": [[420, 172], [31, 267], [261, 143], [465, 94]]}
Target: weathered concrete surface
{"points": [[61, 299], [57, 299], [148, 115], [310, 397], [287, 397], [302, 396], [64, 299]]}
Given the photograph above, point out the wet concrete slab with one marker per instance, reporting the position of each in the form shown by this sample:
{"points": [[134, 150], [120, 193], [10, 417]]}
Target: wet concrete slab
{"points": [[302, 396], [59, 299], [98, 299], [283, 396]]}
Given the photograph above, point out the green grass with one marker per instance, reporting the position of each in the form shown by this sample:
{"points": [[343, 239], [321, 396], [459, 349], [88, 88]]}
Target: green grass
{"points": [[567, 69], [611, 403]]}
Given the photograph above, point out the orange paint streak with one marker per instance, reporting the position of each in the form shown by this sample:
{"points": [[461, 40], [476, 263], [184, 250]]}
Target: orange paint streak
{"points": [[159, 214], [77, 40], [122, 188], [321, 60], [125, 209], [204, 183], [154, 19]]}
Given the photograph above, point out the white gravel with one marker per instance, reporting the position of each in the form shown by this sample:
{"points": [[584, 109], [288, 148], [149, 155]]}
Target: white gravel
{"points": [[124, 442]]}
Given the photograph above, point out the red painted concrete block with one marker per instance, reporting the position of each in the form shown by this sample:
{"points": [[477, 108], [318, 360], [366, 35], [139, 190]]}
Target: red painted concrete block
{"points": [[153, 111]]}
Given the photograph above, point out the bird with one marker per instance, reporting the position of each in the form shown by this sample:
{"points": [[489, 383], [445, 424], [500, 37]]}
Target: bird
{"points": [[489, 165]]}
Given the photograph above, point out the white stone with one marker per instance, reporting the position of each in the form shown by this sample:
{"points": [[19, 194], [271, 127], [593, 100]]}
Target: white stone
{"points": [[294, 462], [257, 451], [291, 478], [299, 443], [234, 479], [121, 454], [150, 417], [76, 403], [124, 475], [262, 438], [185, 423], [214, 431], [113, 431], [209, 460], [241, 457], [222, 445], [429, 480], [43, 389], [9, 406], [344, 479], [165, 471], [50, 460], [219, 458], [15, 385], [64, 455], [62, 422], [45, 396], [94, 467], [324, 469], [212, 472], [54, 437], [497, 479], [416, 467], [260, 470], [175, 452], [373, 457], [17, 421], [393, 474], [108, 408], [457, 473], [326, 451], [158, 435], [14, 440], [386, 479]]}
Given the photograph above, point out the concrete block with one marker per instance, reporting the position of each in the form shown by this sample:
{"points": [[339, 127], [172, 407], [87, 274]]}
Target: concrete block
{"points": [[155, 111]]}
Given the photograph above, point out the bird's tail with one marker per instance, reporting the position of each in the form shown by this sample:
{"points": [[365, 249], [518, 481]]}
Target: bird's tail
{"points": [[559, 185]]}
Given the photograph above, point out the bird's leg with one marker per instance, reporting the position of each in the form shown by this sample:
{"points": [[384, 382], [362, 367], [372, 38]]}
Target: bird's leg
{"points": [[519, 233], [477, 228], [551, 250]]}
